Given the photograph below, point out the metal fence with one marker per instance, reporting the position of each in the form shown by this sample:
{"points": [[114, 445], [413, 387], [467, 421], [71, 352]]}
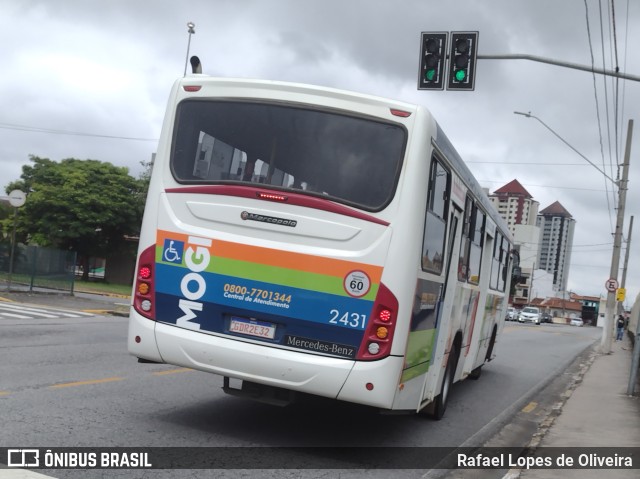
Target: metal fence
{"points": [[36, 268]]}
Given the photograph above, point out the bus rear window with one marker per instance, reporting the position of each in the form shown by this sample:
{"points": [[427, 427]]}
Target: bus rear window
{"points": [[349, 159]]}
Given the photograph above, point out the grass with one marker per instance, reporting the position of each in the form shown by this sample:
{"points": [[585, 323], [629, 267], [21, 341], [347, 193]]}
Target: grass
{"points": [[63, 283], [101, 287]]}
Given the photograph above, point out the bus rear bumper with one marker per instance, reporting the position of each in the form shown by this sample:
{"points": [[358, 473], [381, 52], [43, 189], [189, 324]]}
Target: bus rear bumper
{"points": [[372, 383], [296, 371], [141, 338]]}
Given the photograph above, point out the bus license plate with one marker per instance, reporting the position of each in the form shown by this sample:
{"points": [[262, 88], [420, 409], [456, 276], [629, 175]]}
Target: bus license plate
{"points": [[259, 329]]}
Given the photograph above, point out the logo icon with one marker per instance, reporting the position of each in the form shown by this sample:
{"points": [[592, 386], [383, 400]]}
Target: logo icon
{"points": [[246, 216], [172, 251], [23, 458]]}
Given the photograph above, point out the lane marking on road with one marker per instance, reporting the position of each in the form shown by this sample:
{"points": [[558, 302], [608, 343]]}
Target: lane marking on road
{"points": [[40, 311], [90, 382], [530, 407], [85, 383], [172, 371], [21, 474], [11, 315]]}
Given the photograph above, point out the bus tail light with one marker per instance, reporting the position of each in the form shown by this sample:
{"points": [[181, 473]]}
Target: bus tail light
{"points": [[378, 336], [144, 292]]}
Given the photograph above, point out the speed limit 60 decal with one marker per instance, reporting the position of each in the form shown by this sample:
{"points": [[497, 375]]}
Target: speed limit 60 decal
{"points": [[199, 271]]}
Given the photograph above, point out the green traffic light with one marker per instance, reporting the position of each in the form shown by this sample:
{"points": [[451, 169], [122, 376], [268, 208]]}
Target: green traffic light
{"points": [[430, 75], [460, 75]]}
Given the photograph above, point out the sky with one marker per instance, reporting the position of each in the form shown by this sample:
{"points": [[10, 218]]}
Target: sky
{"points": [[90, 80]]}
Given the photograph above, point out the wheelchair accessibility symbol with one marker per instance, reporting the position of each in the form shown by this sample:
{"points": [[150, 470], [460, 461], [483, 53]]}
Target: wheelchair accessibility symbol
{"points": [[172, 251]]}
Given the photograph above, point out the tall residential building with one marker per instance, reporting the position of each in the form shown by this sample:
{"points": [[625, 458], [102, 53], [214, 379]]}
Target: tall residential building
{"points": [[515, 205], [519, 209], [556, 240]]}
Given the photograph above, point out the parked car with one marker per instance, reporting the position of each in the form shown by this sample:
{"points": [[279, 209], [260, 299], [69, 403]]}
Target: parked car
{"points": [[546, 318], [512, 314], [576, 322], [530, 314]]}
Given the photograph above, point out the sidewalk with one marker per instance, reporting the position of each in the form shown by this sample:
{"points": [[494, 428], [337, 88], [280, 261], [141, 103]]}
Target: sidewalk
{"points": [[598, 413]]}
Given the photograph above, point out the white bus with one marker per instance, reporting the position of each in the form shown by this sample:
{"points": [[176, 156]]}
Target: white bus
{"points": [[301, 239]]}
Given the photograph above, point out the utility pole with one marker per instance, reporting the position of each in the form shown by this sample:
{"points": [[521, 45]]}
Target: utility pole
{"points": [[610, 312], [533, 271], [626, 263]]}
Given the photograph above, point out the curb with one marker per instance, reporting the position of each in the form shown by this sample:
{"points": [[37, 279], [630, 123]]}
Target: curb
{"points": [[110, 295]]}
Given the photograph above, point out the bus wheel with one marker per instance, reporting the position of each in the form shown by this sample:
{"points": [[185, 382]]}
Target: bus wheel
{"points": [[476, 373], [492, 343], [440, 402]]}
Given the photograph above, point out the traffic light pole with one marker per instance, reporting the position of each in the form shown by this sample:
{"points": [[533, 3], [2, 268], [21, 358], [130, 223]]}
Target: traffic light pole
{"points": [[575, 66]]}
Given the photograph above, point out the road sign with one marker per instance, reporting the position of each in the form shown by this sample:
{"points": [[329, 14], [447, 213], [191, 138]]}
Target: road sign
{"points": [[611, 285], [620, 294], [17, 198]]}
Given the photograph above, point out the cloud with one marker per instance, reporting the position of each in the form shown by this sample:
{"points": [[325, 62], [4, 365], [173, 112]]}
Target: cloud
{"points": [[107, 68]]}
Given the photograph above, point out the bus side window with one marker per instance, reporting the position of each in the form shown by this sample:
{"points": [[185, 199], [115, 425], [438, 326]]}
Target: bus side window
{"points": [[476, 235], [463, 264], [504, 260], [435, 223], [495, 262]]}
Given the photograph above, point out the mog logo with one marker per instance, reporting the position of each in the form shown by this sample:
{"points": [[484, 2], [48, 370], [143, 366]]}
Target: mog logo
{"points": [[245, 215], [193, 286]]}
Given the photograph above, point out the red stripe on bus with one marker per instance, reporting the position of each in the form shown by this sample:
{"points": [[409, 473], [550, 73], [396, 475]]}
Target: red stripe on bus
{"points": [[291, 199]]}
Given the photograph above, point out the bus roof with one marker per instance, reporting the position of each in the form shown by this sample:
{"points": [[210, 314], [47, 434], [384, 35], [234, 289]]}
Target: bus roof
{"points": [[443, 143]]}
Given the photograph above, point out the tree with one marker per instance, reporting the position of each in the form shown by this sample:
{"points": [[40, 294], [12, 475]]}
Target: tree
{"points": [[86, 206]]}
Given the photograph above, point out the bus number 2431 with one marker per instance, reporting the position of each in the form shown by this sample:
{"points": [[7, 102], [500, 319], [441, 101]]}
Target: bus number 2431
{"points": [[350, 320]]}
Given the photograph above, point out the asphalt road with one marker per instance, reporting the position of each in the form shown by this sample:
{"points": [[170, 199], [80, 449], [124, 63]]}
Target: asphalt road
{"points": [[69, 382]]}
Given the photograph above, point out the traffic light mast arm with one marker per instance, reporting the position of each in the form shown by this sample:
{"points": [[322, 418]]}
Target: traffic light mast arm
{"points": [[575, 66]]}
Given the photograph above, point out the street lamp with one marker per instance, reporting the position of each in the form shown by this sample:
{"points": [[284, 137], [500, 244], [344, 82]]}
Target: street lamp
{"points": [[609, 319], [191, 29], [529, 115]]}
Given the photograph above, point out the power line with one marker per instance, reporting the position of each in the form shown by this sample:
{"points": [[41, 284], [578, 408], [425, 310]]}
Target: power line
{"points": [[595, 91], [529, 185], [34, 129], [606, 90], [624, 84], [533, 163]]}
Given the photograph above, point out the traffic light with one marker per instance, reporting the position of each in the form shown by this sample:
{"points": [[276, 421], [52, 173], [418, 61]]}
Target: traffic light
{"points": [[462, 61], [433, 56]]}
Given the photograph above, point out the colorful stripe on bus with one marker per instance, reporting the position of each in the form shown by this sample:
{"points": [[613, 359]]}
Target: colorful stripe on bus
{"points": [[204, 283]]}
